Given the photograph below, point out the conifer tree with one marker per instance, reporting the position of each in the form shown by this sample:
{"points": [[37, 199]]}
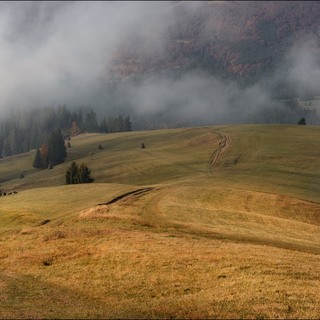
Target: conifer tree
{"points": [[37, 162], [72, 174], [104, 125], [127, 124], [78, 174], [91, 122], [57, 148], [302, 121], [6, 150], [84, 174]]}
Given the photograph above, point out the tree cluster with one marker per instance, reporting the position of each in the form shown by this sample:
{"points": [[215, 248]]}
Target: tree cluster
{"points": [[78, 174], [28, 129], [115, 124], [302, 122], [52, 153]]}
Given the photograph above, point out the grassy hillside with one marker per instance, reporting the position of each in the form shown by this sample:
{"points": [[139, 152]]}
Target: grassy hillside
{"points": [[210, 222]]}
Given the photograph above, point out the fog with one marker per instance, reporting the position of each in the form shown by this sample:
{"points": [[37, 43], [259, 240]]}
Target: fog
{"points": [[60, 53], [195, 97], [56, 52], [303, 65]]}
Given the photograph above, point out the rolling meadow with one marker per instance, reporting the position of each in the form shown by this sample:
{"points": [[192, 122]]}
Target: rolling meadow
{"points": [[205, 222]]}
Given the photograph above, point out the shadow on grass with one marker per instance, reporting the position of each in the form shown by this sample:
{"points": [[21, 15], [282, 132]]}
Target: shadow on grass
{"points": [[24, 296]]}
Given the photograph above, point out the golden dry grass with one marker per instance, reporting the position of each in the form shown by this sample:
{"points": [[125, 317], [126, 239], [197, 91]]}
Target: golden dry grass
{"points": [[182, 238], [107, 272]]}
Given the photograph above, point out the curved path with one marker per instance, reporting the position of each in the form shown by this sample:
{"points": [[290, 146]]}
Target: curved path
{"points": [[136, 193], [224, 144]]}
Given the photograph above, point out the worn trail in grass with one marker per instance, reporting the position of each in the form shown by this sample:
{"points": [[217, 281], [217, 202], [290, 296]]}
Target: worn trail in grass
{"points": [[212, 222]]}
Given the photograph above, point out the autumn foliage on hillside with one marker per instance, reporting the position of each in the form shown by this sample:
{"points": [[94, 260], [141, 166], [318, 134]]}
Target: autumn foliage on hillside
{"points": [[228, 39]]}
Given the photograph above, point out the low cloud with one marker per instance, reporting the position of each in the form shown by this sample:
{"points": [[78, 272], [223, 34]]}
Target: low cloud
{"points": [[55, 53], [195, 98], [303, 65]]}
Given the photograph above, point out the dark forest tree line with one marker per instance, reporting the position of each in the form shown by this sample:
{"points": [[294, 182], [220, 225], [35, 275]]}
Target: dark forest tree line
{"points": [[24, 130], [30, 129], [52, 153]]}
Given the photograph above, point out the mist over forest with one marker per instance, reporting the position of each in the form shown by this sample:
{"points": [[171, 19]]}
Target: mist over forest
{"points": [[163, 64]]}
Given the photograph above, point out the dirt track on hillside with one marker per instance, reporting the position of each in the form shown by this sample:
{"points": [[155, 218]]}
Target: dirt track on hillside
{"points": [[132, 194], [224, 144]]}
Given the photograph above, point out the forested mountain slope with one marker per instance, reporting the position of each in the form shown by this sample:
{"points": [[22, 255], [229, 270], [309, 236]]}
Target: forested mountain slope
{"points": [[227, 38]]}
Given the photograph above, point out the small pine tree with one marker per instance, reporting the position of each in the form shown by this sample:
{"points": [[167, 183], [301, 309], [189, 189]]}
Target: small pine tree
{"points": [[302, 121], [57, 149], [72, 174], [84, 174], [78, 174], [37, 162]]}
